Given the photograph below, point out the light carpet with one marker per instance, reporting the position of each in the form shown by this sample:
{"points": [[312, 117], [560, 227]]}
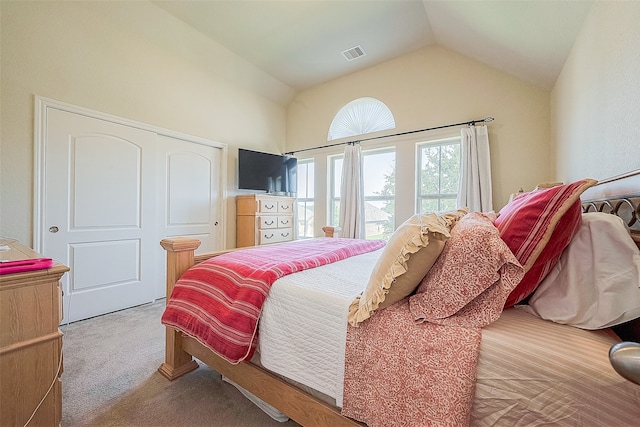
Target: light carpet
{"points": [[110, 378]]}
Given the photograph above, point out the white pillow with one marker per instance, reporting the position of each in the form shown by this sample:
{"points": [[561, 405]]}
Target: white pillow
{"points": [[596, 283]]}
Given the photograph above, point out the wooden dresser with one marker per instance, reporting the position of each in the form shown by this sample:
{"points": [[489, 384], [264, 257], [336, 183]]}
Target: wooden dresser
{"points": [[30, 341], [264, 219]]}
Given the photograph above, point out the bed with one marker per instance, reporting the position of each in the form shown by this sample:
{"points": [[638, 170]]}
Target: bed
{"points": [[518, 340]]}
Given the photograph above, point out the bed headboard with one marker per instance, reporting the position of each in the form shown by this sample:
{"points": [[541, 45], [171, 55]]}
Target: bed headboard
{"points": [[626, 207], [620, 196]]}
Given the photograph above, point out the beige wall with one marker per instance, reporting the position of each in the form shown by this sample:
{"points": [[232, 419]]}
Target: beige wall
{"points": [[129, 59], [133, 60], [431, 87], [595, 103]]}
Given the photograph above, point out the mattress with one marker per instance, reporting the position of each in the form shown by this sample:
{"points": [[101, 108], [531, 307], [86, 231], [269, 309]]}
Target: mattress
{"points": [[530, 372]]}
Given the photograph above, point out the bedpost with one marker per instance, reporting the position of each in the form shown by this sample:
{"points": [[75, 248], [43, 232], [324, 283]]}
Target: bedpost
{"points": [[330, 231], [180, 257]]}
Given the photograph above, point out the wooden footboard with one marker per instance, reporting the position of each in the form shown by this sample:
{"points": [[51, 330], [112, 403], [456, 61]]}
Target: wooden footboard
{"points": [[180, 351]]}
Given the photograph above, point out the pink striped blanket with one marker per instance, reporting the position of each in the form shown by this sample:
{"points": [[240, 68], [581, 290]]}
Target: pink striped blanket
{"points": [[219, 301]]}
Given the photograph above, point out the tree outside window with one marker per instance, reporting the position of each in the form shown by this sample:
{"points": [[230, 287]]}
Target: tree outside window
{"points": [[438, 175], [379, 171]]}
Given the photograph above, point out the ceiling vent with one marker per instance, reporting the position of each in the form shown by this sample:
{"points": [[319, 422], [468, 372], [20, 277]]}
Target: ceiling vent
{"points": [[353, 53]]}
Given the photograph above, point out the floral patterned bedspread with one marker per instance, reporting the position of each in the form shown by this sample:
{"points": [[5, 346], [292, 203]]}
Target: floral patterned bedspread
{"points": [[414, 363], [406, 378]]}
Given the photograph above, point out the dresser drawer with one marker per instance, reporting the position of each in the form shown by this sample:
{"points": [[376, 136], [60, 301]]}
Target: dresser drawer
{"points": [[275, 236], [266, 222], [285, 221], [285, 206], [268, 205]]}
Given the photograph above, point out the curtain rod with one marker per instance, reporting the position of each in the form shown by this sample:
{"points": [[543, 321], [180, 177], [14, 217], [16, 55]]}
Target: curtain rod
{"points": [[470, 123]]}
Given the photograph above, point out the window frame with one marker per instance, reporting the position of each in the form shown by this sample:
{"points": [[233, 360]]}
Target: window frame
{"points": [[333, 205], [305, 200], [419, 196]]}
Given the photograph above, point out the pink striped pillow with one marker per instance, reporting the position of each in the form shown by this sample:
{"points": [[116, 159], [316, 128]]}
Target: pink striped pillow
{"points": [[537, 227]]}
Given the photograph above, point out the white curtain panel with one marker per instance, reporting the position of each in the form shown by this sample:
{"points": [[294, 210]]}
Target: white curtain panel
{"points": [[352, 194], [474, 189]]}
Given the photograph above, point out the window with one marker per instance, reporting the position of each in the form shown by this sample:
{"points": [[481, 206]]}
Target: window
{"points": [[305, 196], [379, 173], [438, 166], [379, 193], [334, 185], [361, 116]]}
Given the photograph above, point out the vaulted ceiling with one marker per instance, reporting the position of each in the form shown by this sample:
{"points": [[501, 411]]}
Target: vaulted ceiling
{"points": [[300, 42]]}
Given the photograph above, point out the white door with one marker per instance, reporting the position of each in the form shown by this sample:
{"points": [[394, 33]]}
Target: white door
{"points": [[189, 199], [99, 212]]}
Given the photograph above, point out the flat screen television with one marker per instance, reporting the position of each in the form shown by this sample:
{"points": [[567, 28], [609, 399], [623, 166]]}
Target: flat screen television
{"points": [[273, 173]]}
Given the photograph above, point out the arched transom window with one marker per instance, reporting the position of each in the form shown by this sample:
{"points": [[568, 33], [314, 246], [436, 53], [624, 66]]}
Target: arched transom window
{"points": [[359, 117]]}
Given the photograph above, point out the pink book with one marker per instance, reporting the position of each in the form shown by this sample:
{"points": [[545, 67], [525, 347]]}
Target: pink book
{"points": [[20, 265]]}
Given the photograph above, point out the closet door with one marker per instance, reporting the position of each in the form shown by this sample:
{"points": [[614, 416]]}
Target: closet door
{"points": [[99, 212], [189, 197]]}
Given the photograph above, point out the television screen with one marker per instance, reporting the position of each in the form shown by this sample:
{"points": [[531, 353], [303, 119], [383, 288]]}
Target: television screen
{"points": [[273, 173]]}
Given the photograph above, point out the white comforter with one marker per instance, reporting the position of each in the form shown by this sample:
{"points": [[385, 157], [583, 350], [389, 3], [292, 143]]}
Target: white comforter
{"points": [[314, 305]]}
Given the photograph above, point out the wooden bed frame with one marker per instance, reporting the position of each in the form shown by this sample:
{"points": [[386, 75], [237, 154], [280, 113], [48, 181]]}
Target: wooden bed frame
{"points": [[619, 195]]}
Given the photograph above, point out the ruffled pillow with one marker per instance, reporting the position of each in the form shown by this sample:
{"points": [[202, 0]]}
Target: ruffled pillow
{"points": [[410, 253]]}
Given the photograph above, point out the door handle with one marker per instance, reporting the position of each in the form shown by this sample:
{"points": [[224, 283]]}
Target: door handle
{"points": [[53, 229]]}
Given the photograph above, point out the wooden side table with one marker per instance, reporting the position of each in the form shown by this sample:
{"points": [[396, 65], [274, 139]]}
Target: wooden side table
{"points": [[30, 341]]}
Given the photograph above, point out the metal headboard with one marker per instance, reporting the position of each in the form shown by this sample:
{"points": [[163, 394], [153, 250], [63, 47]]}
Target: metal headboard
{"points": [[626, 207]]}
